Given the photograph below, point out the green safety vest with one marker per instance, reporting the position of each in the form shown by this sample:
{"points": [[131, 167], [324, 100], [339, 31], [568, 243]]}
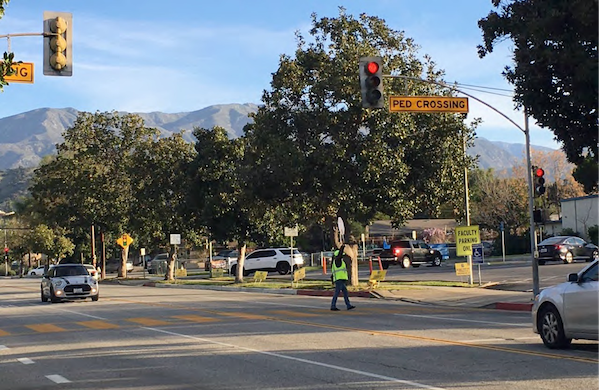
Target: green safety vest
{"points": [[339, 273]]}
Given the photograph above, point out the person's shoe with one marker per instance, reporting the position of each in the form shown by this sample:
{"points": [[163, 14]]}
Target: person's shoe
{"points": [[335, 309], [351, 307]]}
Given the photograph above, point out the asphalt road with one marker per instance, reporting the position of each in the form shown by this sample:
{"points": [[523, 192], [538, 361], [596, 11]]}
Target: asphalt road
{"points": [[171, 338]]}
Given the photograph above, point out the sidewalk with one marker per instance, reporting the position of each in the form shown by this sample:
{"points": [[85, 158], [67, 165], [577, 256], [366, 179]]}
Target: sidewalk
{"points": [[475, 297]]}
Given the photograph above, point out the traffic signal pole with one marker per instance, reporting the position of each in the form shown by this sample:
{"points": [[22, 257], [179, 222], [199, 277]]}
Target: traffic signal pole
{"points": [[534, 264]]}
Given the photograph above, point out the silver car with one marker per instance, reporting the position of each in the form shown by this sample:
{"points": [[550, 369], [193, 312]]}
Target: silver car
{"points": [[68, 281], [568, 310]]}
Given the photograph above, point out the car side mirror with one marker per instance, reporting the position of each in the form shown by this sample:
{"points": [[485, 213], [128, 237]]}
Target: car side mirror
{"points": [[573, 278]]}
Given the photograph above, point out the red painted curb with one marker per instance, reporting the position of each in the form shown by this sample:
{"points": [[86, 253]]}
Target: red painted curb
{"points": [[514, 306], [321, 293]]}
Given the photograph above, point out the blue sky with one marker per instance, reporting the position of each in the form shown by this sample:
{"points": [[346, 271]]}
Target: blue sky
{"points": [[184, 55]]}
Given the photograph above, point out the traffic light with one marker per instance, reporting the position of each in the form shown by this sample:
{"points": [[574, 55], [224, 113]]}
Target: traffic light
{"points": [[58, 52], [538, 181], [371, 82]]}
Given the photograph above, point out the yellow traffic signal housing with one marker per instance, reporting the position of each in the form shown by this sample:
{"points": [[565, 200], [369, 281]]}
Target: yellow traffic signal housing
{"points": [[58, 45]]}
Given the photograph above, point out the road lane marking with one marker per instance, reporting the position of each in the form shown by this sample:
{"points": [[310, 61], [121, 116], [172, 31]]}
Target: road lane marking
{"points": [[498, 339], [46, 328], [247, 316], [3, 333], [384, 333], [58, 379], [3, 347], [98, 325], [291, 313], [83, 314], [147, 321], [26, 360], [464, 320], [306, 361], [195, 318]]}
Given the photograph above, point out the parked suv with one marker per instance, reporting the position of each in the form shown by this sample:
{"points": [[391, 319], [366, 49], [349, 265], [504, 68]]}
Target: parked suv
{"points": [[270, 259], [410, 252]]}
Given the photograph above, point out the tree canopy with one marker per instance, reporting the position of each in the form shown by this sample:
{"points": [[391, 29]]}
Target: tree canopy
{"points": [[554, 70], [315, 151]]}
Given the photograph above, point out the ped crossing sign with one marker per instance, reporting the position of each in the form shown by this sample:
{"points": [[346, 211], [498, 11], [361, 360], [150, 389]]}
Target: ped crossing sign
{"points": [[23, 73]]}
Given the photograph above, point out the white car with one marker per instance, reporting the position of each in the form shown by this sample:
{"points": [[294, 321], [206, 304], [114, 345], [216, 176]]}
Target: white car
{"points": [[93, 271], [39, 271], [69, 281], [568, 310], [270, 259]]}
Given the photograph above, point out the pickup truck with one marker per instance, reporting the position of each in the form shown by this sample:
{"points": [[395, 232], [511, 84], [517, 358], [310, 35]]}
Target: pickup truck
{"points": [[410, 252]]}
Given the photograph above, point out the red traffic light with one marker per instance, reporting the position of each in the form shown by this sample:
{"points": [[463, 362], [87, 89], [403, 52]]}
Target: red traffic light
{"points": [[539, 172], [372, 67]]}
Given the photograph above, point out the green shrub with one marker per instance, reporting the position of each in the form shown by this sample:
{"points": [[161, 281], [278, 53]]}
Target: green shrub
{"points": [[569, 232], [593, 234], [3, 270]]}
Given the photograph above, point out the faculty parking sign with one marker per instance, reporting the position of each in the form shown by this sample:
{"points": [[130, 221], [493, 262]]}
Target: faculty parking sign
{"points": [[466, 236]]}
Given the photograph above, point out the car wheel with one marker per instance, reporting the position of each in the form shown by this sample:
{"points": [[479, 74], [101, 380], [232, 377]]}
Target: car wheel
{"points": [[44, 298], [283, 267], [568, 258], [437, 261], [406, 263], [385, 265], [246, 272], [551, 328], [95, 297], [594, 256], [234, 270], [53, 297]]}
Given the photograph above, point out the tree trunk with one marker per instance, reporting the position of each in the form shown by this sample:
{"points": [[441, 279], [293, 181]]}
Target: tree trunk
{"points": [[123, 267], [351, 250], [239, 277], [169, 274]]}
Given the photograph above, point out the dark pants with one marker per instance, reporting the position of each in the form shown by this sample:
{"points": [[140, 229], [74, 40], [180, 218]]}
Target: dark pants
{"points": [[340, 285]]}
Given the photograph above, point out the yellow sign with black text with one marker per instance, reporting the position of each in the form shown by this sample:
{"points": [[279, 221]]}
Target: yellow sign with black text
{"points": [[429, 104], [465, 237], [462, 269], [23, 73]]}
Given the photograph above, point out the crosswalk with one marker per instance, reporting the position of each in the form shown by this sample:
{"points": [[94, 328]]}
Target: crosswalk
{"points": [[207, 317]]}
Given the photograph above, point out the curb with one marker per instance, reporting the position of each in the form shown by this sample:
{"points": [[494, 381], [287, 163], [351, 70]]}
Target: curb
{"points": [[513, 306]]}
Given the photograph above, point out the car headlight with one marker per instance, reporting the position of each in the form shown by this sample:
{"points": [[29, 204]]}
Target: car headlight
{"points": [[58, 283]]}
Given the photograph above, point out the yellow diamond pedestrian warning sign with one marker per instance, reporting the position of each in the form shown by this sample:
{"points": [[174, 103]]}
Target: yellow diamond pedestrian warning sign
{"points": [[124, 241]]}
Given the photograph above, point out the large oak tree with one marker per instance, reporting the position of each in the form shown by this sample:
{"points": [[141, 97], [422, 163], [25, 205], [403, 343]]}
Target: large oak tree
{"points": [[554, 70], [317, 153]]}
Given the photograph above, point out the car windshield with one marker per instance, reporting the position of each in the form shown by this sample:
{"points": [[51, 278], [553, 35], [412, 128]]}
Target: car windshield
{"points": [[71, 271], [551, 240]]}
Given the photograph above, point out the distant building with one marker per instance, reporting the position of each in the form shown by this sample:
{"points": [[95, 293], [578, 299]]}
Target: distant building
{"points": [[579, 214]]}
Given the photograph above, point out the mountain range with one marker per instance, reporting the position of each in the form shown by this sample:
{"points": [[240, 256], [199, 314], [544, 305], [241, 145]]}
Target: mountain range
{"points": [[27, 137]]}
